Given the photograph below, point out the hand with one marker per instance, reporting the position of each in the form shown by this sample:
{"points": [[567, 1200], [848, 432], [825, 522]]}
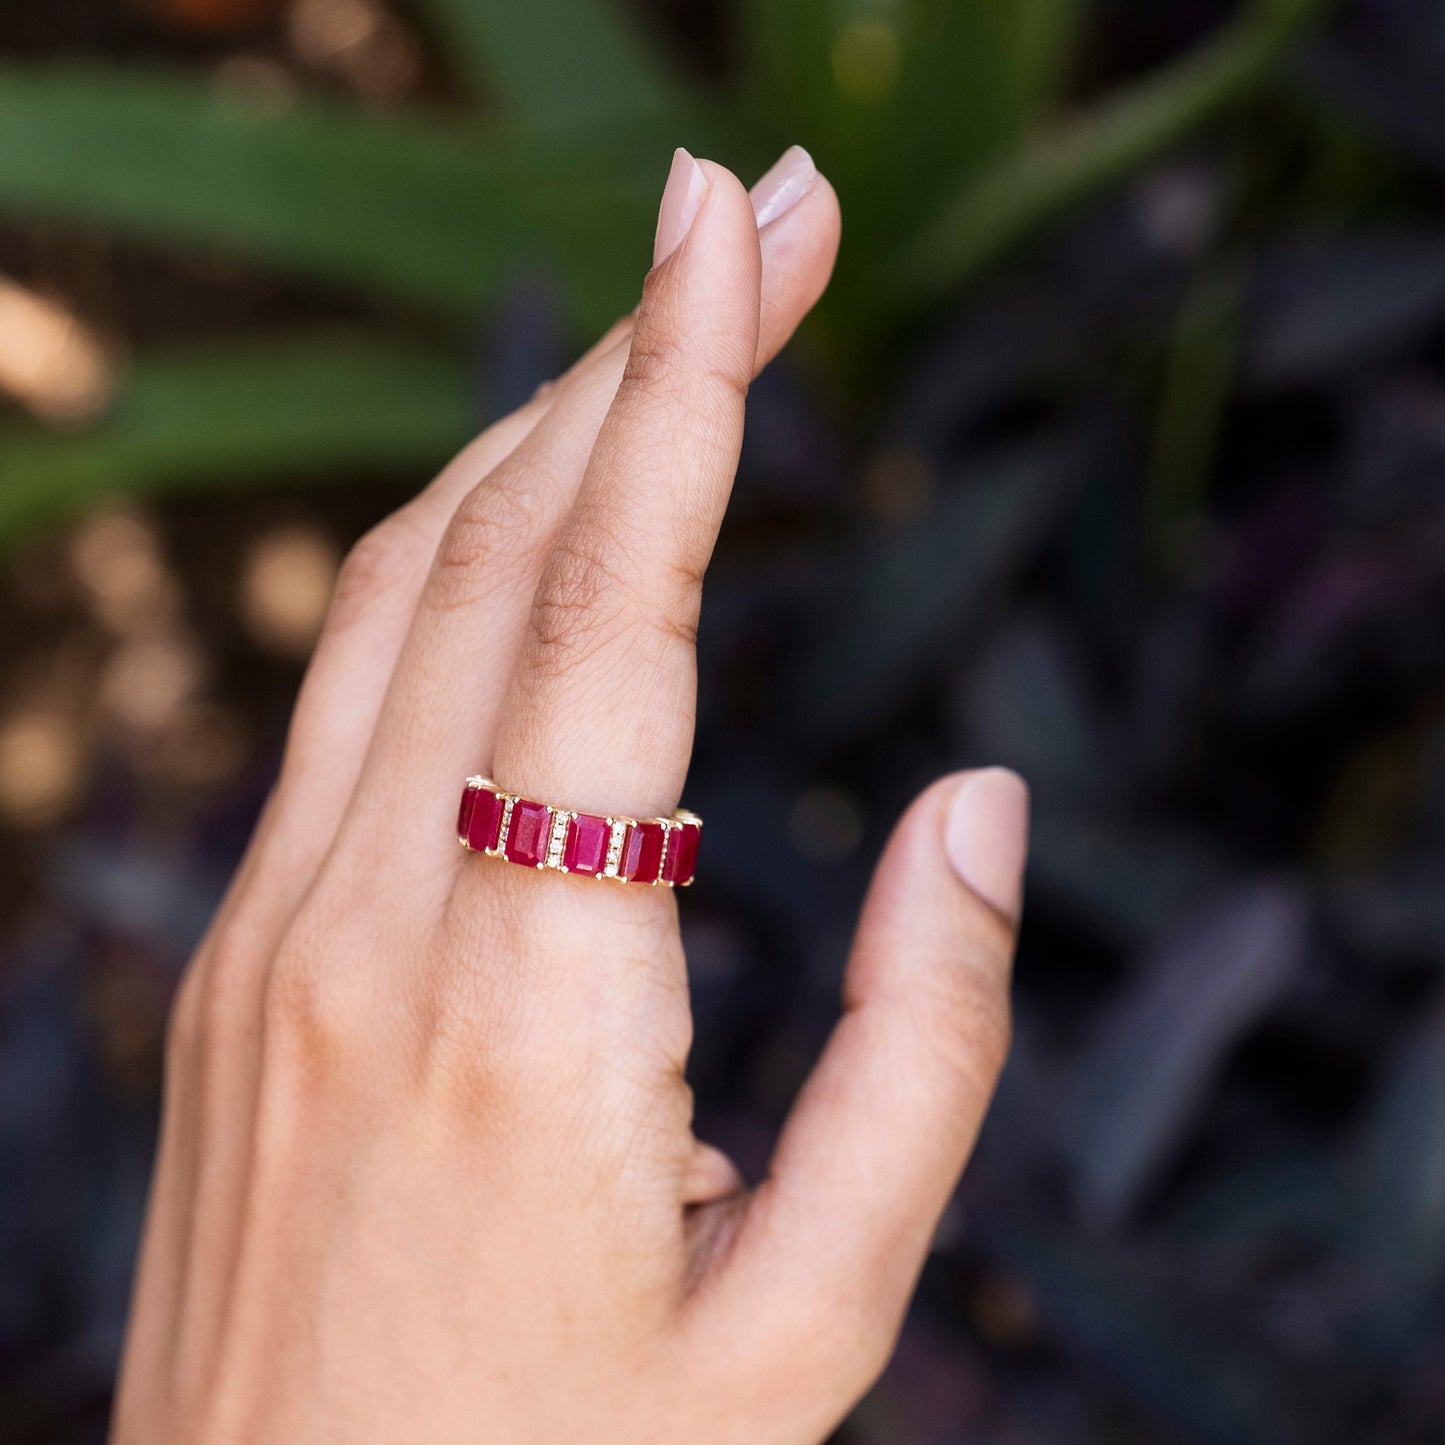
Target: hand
{"points": [[427, 1170]]}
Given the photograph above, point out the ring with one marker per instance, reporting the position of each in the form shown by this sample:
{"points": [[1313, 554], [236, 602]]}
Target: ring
{"points": [[539, 835]]}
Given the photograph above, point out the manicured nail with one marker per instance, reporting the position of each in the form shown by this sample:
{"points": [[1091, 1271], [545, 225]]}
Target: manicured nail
{"points": [[987, 836], [681, 197], [781, 188]]}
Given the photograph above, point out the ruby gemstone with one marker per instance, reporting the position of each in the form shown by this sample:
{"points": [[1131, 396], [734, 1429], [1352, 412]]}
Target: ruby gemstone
{"points": [[642, 853], [586, 850], [484, 818], [527, 837], [464, 813], [681, 861]]}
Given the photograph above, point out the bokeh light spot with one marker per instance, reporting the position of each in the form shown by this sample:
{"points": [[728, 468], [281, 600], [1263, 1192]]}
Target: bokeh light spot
{"points": [[147, 682], [41, 768], [286, 584], [866, 61], [116, 558], [50, 362], [358, 40]]}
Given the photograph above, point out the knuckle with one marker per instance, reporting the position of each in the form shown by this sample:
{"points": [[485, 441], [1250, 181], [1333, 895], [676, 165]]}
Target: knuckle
{"points": [[226, 1012], [292, 1009], [657, 364], [468, 1044], [663, 372], [678, 627], [663, 366], [485, 1011], [214, 1009], [583, 599], [479, 1035], [313, 1015], [494, 531], [481, 1053], [388, 557], [591, 600]]}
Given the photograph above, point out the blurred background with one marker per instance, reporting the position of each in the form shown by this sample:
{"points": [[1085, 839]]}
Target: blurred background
{"points": [[1116, 453]]}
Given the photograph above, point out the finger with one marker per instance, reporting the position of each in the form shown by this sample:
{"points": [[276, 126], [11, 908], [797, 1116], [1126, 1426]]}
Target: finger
{"points": [[213, 1054], [709, 1175], [600, 715], [450, 687], [384, 578], [213, 1048], [371, 608], [798, 232], [833, 1240]]}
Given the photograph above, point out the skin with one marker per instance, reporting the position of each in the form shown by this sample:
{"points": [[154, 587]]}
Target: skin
{"points": [[427, 1169]]}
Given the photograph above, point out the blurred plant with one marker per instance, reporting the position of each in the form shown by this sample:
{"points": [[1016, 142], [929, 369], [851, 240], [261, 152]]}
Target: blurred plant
{"points": [[1152, 512], [942, 124]]}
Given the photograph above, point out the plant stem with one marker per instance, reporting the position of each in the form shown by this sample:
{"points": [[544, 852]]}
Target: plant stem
{"points": [[1049, 174]]}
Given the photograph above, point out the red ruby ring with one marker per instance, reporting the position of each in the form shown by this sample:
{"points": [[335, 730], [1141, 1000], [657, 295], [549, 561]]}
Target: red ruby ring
{"points": [[538, 835]]}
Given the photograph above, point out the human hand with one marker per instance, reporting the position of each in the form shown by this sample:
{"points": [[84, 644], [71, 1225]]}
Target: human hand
{"points": [[427, 1170]]}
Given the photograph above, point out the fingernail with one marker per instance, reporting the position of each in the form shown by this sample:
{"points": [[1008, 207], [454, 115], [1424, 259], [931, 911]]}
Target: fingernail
{"points": [[781, 188], [986, 836], [681, 197]]}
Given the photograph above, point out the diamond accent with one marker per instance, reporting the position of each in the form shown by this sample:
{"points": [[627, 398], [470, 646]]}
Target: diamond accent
{"points": [[507, 807], [614, 848], [558, 839]]}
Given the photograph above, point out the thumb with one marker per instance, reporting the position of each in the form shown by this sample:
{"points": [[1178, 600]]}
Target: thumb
{"points": [[835, 1237]]}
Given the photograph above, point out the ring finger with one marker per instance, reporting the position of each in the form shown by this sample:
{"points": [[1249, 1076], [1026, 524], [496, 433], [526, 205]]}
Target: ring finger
{"points": [[451, 684]]}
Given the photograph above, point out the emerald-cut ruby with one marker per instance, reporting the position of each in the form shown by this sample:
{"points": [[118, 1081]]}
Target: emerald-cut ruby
{"points": [[464, 813], [586, 850], [681, 861], [641, 853], [484, 819], [527, 836]]}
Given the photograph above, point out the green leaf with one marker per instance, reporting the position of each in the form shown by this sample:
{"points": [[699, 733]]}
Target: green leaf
{"points": [[1039, 40], [1030, 186], [319, 408], [558, 63], [900, 100], [419, 210]]}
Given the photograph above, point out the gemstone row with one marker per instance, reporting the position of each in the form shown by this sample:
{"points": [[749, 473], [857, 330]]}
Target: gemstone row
{"points": [[535, 835]]}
